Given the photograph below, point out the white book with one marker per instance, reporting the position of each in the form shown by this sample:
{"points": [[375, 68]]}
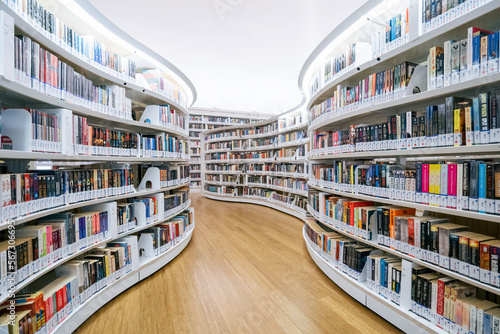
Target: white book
{"points": [[7, 46], [447, 62]]}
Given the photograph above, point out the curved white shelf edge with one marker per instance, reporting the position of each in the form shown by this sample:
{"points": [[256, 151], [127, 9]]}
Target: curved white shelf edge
{"points": [[240, 199], [384, 61], [454, 212], [152, 265], [17, 91], [137, 193], [98, 300], [396, 315]]}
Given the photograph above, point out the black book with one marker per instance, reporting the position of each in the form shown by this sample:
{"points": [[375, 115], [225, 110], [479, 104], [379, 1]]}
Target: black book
{"points": [[474, 179], [493, 111], [484, 111], [441, 119], [421, 126]]}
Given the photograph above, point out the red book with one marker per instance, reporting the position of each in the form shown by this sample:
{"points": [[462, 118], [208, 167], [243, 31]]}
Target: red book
{"points": [[411, 231], [353, 205], [452, 180], [425, 178], [59, 300], [440, 296]]}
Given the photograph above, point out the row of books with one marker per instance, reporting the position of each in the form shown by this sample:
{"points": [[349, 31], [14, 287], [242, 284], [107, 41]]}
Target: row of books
{"points": [[85, 134], [335, 66], [221, 178], [221, 190], [446, 302], [260, 130], [436, 13], [457, 122], [294, 202], [46, 133], [84, 46], [432, 239], [256, 143], [172, 172], [466, 185], [377, 88], [276, 167], [25, 193], [292, 121], [162, 144], [48, 301], [289, 137], [396, 33], [194, 134], [162, 236], [42, 70], [155, 80], [229, 134], [54, 238], [222, 168], [470, 58], [175, 198], [239, 155], [167, 116], [299, 151]]}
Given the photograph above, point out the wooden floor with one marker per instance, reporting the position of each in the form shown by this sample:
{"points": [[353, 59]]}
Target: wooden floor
{"points": [[246, 270]]}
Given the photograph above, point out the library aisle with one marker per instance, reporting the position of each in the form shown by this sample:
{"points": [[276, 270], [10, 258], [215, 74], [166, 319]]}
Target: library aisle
{"points": [[246, 270]]}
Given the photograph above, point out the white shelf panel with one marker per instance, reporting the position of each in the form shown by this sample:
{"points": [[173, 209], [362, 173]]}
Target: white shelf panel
{"points": [[267, 203], [93, 73], [8, 154], [45, 213], [283, 174], [230, 172], [485, 17], [408, 102], [399, 317], [430, 208], [417, 152], [15, 94]]}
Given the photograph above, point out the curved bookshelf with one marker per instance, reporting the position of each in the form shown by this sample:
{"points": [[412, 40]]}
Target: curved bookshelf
{"points": [[98, 300], [484, 16], [95, 119], [282, 144], [423, 207], [428, 97], [398, 316], [95, 73], [264, 202], [336, 116]]}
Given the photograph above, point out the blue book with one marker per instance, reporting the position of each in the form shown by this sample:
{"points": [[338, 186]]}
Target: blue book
{"points": [[482, 183], [493, 53], [393, 29], [476, 121]]}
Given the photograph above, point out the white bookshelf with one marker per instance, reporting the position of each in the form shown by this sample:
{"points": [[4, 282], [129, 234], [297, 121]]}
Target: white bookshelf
{"points": [[200, 121], [19, 92], [279, 130], [357, 29]]}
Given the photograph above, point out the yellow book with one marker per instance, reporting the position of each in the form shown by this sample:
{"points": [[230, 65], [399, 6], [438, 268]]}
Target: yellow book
{"points": [[431, 179], [437, 179], [456, 125]]}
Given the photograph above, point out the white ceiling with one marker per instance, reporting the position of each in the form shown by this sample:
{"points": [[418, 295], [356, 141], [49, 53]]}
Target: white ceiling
{"points": [[240, 54]]}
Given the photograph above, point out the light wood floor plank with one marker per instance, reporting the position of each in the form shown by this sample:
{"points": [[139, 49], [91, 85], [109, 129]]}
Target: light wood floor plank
{"points": [[246, 270]]}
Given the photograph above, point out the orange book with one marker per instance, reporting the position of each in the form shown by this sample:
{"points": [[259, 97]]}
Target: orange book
{"points": [[393, 213]]}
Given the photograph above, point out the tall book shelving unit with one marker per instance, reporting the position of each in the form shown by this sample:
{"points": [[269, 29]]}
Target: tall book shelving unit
{"points": [[160, 150], [201, 119], [262, 163], [427, 26]]}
